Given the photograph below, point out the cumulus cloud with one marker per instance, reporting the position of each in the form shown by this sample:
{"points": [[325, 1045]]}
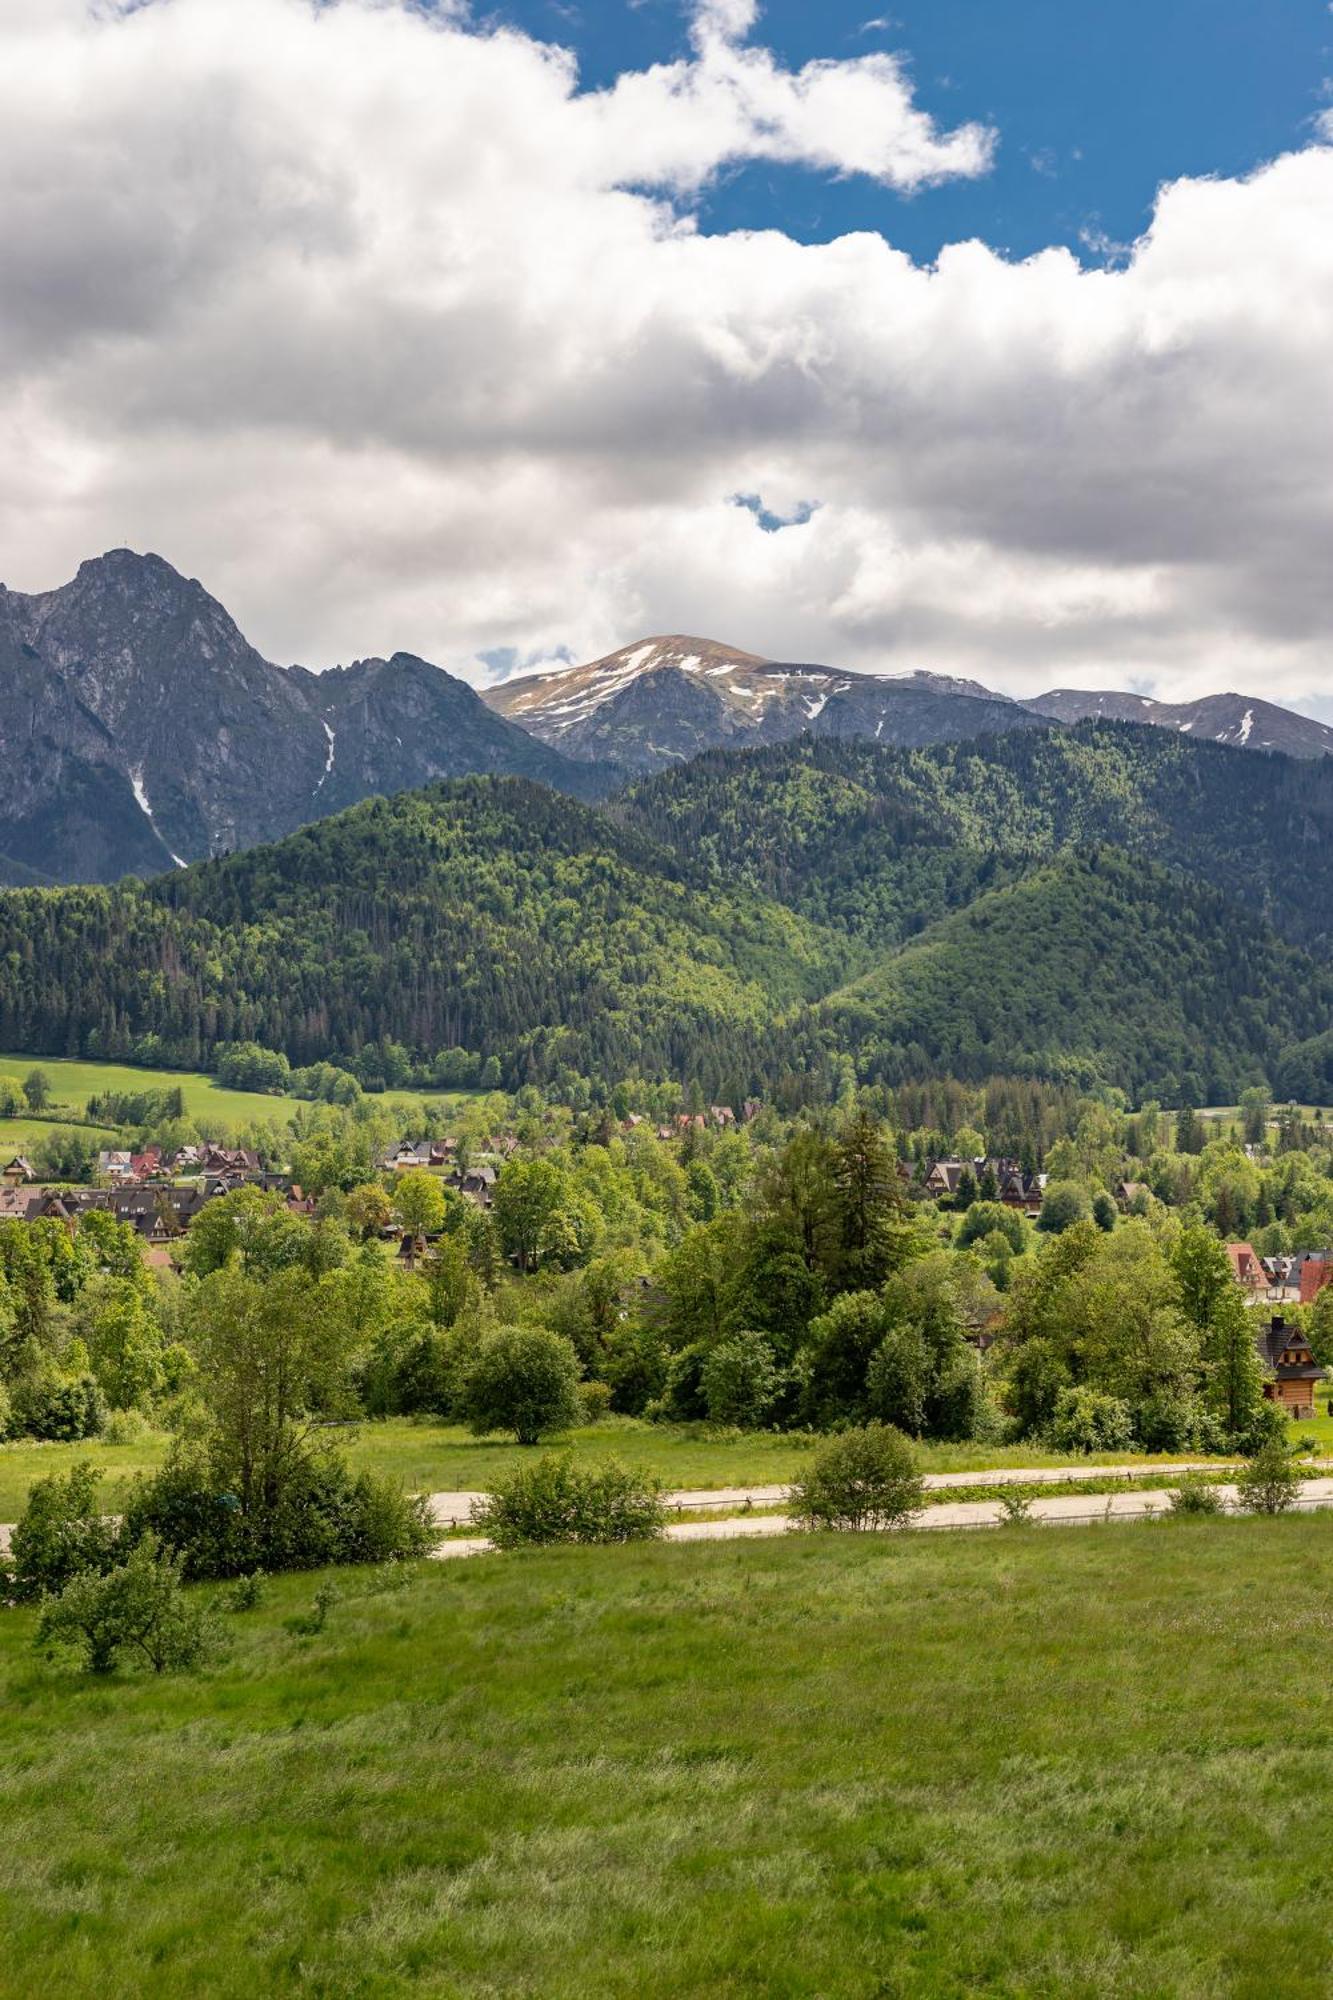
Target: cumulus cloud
{"points": [[379, 324]]}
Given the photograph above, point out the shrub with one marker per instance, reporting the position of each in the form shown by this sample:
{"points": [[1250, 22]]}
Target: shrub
{"points": [[1196, 1495], [594, 1400], [314, 1620], [1270, 1483], [557, 1500], [865, 1478], [741, 1381], [1268, 1425], [1167, 1420], [1063, 1204], [1085, 1420], [326, 1515], [1015, 1507], [58, 1409], [139, 1606], [524, 1380], [61, 1532], [125, 1427], [247, 1593], [682, 1397], [991, 1218]]}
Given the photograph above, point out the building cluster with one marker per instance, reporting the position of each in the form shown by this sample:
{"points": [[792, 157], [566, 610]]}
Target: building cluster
{"points": [[1293, 1280], [993, 1178], [237, 1164]]}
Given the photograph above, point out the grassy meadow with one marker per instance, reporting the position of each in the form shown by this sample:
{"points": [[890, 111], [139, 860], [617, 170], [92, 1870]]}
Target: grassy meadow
{"points": [[1080, 1765], [73, 1083]]}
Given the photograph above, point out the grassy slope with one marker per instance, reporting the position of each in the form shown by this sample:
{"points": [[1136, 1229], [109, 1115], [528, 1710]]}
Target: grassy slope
{"points": [[1024, 1763], [73, 1083], [434, 1458]]}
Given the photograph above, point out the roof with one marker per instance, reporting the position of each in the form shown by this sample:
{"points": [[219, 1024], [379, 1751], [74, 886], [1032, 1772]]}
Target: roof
{"points": [[1278, 1338]]}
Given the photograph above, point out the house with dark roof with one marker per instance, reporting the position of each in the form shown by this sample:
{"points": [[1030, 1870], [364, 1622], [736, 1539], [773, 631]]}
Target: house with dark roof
{"points": [[1013, 1187], [1294, 1374]]}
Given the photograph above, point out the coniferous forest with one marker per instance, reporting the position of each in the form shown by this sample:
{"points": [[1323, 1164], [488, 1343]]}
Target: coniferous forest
{"points": [[1108, 905]]}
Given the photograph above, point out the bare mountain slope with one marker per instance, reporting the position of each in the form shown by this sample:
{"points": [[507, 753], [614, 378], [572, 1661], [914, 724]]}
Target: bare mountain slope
{"points": [[1237, 719], [663, 700], [139, 729]]}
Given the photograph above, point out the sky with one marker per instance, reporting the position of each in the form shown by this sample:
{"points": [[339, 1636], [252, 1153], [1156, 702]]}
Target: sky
{"points": [[987, 339]]}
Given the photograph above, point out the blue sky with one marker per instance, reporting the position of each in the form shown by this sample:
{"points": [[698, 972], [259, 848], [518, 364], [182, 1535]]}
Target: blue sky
{"points": [[375, 320], [1096, 102]]}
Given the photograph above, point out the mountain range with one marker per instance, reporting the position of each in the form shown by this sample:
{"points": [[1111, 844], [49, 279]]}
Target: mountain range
{"points": [[662, 701], [140, 730]]}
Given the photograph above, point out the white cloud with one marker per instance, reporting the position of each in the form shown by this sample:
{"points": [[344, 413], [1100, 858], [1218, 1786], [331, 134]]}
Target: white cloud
{"points": [[355, 312]]}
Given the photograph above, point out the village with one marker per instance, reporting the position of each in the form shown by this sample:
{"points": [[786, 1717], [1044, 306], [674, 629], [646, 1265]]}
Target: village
{"points": [[159, 1191]]}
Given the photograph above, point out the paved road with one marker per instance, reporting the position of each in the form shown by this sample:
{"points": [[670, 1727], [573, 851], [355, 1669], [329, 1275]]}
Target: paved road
{"points": [[455, 1509], [1063, 1510]]}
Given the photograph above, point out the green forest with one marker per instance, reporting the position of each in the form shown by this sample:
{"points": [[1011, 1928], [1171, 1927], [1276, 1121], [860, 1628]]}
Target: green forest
{"points": [[1113, 905]]}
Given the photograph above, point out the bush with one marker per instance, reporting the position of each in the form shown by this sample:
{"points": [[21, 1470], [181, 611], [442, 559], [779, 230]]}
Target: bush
{"points": [[1167, 1420], [524, 1380], [1268, 1425], [741, 1381], [865, 1478], [247, 1593], [594, 1400], [1196, 1496], [1270, 1483], [1063, 1204], [991, 1218], [58, 1409], [139, 1606], [308, 1623], [62, 1531], [1015, 1507], [125, 1427], [558, 1500], [1085, 1420], [682, 1397], [326, 1515]]}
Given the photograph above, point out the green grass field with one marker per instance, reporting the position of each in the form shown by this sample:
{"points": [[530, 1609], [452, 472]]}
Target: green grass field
{"points": [[1083, 1765], [434, 1458], [20, 1135], [73, 1083]]}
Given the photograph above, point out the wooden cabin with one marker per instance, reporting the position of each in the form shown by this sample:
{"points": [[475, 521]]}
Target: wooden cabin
{"points": [[1296, 1375]]}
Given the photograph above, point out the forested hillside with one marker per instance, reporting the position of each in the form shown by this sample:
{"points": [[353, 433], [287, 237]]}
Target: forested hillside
{"points": [[490, 915], [1109, 904], [1093, 967], [883, 841]]}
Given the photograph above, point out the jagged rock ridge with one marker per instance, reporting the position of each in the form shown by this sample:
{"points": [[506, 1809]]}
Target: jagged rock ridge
{"points": [[140, 730]]}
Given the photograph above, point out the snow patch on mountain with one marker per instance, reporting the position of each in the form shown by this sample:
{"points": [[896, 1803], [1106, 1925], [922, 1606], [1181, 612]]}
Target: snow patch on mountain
{"points": [[141, 799]]}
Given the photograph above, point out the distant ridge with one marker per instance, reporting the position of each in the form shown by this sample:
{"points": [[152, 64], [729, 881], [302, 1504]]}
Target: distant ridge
{"points": [[1239, 720], [663, 700]]}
